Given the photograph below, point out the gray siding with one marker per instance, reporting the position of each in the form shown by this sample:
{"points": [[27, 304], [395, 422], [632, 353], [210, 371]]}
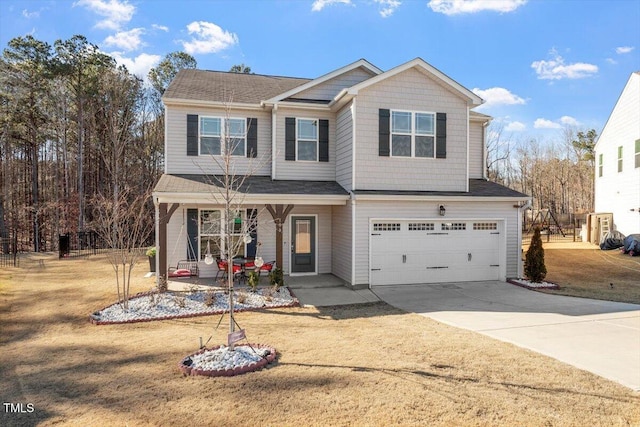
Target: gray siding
{"points": [[306, 170], [329, 89], [476, 150], [344, 147], [177, 161], [428, 210], [410, 91], [341, 235]]}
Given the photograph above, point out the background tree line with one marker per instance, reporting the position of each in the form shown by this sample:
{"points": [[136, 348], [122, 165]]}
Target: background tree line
{"points": [[558, 175], [76, 129]]}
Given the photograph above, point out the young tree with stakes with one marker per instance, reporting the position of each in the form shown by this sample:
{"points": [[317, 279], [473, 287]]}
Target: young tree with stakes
{"points": [[229, 189]]}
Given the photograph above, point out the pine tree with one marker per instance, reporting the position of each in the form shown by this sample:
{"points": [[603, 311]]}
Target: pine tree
{"points": [[534, 266]]}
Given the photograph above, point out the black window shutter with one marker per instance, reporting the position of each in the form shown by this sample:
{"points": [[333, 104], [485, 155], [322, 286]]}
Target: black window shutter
{"points": [[252, 220], [192, 234], [252, 137], [290, 138], [383, 132], [441, 135], [323, 137], [192, 134]]}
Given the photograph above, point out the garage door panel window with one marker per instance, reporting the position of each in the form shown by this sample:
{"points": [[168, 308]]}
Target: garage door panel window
{"points": [[453, 226], [485, 226], [421, 226], [386, 227]]}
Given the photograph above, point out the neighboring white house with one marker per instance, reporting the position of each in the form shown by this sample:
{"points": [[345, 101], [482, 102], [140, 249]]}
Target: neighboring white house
{"points": [[617, 161], [378, 176]]}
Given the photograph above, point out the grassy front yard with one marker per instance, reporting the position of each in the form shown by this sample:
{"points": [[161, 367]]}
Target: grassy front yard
{"points": [[593, 273], [353, 365]]}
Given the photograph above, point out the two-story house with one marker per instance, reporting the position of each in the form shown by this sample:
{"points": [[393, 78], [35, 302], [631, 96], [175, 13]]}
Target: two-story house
{"points": [[617, 155], [377, 177]]}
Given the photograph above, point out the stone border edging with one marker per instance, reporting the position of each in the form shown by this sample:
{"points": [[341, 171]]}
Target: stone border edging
{"points": [[533, 288], [239, 370]]}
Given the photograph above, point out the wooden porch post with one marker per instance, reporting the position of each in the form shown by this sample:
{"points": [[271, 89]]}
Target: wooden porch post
{"points": [[161, 250], [279, 214]]}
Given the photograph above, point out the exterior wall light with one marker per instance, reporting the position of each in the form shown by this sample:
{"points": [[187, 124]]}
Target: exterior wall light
{"points": [[442, 210]]}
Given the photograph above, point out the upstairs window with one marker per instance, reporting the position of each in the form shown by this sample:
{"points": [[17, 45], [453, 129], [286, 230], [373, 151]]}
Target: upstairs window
{"points": [[412, 134], [620, 158], [213, 130], [307, 140], [637, 153], [599, 165]]}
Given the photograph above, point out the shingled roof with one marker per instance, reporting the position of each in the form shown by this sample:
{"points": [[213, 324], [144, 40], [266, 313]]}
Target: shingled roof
{"points": [[218, 86]]}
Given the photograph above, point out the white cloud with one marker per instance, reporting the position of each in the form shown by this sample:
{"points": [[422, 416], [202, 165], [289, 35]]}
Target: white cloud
{"points": [[160, 27], [498, 96], [556, 69], [515, 127], [318, 5], [127, 40], [140, 65], [208, 38], [388, 7], [569, 121], [546, 124], [29, 15], [611, 61], [455, 7], [115, 13], [624, 49]]}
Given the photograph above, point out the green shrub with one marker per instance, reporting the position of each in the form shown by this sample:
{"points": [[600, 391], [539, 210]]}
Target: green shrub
{"points": [[534, 266]]}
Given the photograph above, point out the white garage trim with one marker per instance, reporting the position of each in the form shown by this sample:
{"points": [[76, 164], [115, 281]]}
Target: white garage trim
{"points": [[446, 250]]}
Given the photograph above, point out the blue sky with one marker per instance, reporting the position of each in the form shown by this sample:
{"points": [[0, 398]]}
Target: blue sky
{"points": [[539, 64]]}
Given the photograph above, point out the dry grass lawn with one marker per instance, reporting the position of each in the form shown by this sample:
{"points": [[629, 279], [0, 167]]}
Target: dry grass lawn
{"points": [[589, 272], [369, 365]]}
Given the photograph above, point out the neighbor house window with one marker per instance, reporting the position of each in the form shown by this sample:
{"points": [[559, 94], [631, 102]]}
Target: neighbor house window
{"points": [[620, 158], [599, 165], [213, 130], [307, 139], [412, 134], [637, 153]]}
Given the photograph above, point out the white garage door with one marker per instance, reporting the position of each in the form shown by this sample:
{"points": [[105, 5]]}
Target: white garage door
{"points": [[426, 251]]}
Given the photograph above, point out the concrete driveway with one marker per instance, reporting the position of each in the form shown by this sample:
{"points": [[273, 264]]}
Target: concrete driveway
{"points": [[598, 336]]}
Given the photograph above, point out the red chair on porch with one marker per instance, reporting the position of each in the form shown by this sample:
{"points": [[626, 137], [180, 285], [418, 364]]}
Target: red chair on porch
{"points": [[266, 267], [223, 268]]}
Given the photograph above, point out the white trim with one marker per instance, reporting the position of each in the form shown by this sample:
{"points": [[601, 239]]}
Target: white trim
{"points": [[353, 241], [316, 238], [181, 102], [166, 140], [298, 199], [335, 73], [274, 140], [435, 197], [419, 63], [468, 147], [353, 143]]}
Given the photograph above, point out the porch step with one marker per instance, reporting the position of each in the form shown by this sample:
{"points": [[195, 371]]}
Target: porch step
{"points": [[315, 281]]}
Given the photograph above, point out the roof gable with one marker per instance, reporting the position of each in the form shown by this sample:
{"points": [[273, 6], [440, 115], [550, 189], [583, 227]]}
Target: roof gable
{"points": [[361, 63], [630, 95], [424, 67]]}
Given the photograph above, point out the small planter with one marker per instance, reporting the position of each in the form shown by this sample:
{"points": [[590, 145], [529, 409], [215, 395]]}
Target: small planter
{"points": [[152, 264]]}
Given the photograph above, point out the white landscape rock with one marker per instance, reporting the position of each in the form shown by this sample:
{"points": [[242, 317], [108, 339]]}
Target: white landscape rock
{"points": [[183, 304]]}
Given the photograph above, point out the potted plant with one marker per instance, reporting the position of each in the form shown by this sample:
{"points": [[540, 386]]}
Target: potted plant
{"points": [[151, 253], [276, 278], [252, 280]]}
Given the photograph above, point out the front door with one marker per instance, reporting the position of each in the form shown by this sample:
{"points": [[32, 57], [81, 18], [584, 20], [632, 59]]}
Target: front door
{"points": [[303, 244]]}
